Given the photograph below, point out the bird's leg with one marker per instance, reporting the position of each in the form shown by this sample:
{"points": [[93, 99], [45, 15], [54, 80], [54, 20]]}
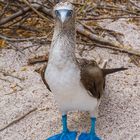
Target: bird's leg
{"points": [[64, 123], [92, 130], [66, 134], [92, 134]]}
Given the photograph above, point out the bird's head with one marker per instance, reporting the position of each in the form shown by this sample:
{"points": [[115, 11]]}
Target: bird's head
{"points": [[64, 12]]}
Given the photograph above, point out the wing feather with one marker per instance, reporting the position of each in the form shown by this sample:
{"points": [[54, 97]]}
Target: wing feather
{"points": [[43, 77], [92, 77]]}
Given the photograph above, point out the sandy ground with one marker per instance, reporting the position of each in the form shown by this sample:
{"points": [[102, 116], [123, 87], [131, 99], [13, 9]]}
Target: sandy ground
{"points": [[119, 112]]}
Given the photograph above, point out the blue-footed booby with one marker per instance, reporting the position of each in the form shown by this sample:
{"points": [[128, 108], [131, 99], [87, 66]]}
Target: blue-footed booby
{"points": [[76, 84]]}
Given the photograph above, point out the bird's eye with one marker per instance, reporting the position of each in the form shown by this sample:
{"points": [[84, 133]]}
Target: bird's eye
{"points": [[69, 13], [57, 12]]}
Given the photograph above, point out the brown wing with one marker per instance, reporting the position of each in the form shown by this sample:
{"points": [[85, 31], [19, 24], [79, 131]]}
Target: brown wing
{"points": [[42, 72], [92, 77]]}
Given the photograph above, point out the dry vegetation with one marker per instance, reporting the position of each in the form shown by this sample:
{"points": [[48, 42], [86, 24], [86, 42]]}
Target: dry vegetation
{"points": [[23, 20]]}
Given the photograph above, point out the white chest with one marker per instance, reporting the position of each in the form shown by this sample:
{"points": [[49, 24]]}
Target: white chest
{"points": [[68, 90], [60, 79], [63, 78]]}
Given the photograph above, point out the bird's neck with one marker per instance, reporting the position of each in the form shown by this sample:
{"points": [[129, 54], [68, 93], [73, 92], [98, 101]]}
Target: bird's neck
{"points": [[63, 44], [64, 35]]}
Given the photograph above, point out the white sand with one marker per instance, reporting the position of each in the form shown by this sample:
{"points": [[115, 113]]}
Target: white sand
{"points": [[119, 112]]}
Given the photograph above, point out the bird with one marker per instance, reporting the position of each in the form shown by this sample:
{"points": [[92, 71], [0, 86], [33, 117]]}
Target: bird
{"points": [[77, 84]]}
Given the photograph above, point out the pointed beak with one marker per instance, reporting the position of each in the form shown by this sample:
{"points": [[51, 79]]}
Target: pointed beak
{"points": [[62, 14]]}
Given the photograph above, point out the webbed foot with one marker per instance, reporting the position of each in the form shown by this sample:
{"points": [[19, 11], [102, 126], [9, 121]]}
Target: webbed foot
{"points": [[66, 134], [69, 135], [88, 136], [92, 135]]}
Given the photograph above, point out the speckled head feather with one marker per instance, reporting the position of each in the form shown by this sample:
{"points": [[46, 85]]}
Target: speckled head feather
{"points": [[64, 14], [64, 5]]}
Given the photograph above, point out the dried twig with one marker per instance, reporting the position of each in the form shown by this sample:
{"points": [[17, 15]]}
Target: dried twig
{"points": [[24, 11], [8, 74], [18, 119], [122, 50], [3, 12], [117, 9], [109, 17], [12, 17], [38, 59], [134, 4], [134, 59], [38, 13], [15, 48], [96, 38], [23, 39]]}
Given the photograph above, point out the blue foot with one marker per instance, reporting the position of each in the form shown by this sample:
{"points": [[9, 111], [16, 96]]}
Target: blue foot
{"points": [[88, 136], [64, 136], [92, 135]]}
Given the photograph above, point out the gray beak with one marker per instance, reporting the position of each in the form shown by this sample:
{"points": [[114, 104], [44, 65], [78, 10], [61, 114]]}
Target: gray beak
{"points": [[63, 14]]}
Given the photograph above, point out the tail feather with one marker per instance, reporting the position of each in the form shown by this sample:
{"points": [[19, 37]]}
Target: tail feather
{"points": [[110, 71]]}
